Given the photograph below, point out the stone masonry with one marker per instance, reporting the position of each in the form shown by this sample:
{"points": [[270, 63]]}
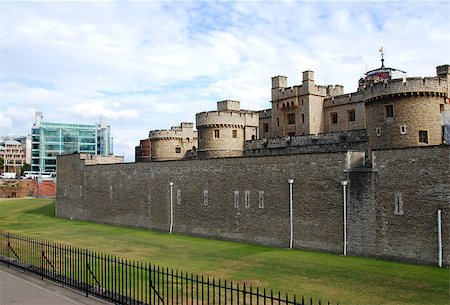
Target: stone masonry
{"points": [[391, 207]]}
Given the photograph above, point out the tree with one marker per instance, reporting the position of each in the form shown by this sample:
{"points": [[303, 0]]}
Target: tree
{"points": [[25, 167], [2, 162]]}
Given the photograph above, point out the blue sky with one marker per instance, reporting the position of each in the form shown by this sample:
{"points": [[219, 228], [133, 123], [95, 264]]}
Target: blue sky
{"points": [[153, 64]]}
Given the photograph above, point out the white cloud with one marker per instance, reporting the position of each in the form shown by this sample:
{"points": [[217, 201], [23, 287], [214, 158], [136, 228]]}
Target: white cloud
{"points": [[150, 65]]}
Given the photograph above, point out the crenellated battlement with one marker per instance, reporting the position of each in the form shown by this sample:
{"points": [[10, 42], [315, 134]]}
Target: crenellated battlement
{"points": [[243, 118], [349, 98], [295, 91], [175, 132], [432, 85], [335, 90]]}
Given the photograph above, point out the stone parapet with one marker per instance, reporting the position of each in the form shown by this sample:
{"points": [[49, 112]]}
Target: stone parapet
{"points": [[241, 118], [326, 142], [432, 85], [349, 98]]}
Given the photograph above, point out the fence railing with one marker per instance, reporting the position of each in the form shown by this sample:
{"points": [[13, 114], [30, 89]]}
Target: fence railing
{"points": [[123, 281]]}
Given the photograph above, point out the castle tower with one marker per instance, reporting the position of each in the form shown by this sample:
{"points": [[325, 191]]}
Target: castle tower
{"points": [[222, 133], [296, 110], [172, 144], [406, 112]]}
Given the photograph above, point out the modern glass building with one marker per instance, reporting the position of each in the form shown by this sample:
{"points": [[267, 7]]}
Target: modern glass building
{"points": [[48, 140]]}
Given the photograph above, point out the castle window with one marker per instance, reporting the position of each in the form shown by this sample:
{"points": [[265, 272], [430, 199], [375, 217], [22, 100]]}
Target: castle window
{"points": [[266, 127], [200, 135], [65, 190], [389, 111], [234, 133], [261, 200], [334, 117], [423, 136], [441, 108], [302, 102], [351, 115], [236, 199], [291, 134], [398, 204], [291, 118], [378, 131], [178, 150], [303, 118], [205, 197], [278, 121], [403, 129], [247, 199], [216, 134], [178, 196]]}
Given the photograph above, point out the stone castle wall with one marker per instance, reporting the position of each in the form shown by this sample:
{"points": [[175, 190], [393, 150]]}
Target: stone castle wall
{"points": [[321, 143], [247, 199]]}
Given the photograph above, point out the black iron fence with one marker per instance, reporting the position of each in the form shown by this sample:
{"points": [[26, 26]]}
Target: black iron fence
{"points": [[124, 281]]}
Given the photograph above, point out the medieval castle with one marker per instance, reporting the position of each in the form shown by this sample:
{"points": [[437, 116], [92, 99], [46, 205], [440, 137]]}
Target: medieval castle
{"points": [[389, 110], [364, 173]]}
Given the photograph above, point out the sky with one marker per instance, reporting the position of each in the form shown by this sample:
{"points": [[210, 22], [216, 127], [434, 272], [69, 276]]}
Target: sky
{"points": [[146, 65]]}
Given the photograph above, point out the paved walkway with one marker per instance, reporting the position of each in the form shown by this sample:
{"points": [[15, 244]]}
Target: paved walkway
{"points": [[19, 288]]}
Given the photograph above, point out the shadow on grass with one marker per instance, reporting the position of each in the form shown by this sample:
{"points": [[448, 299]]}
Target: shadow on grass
{"points": [[46, 210]]}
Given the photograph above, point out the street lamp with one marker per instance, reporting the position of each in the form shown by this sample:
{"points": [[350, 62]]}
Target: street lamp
{"points": [[344, 190], [171, 207], [291, 240]]}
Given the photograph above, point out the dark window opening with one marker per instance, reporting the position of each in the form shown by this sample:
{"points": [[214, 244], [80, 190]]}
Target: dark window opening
{"points": [[351, 116], [423, 136], [291, 118], [389, 111], [334, 117]]}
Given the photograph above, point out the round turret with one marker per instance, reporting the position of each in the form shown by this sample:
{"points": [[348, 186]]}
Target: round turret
{"points": [[405, 113], [222, 133], [172, 144]]}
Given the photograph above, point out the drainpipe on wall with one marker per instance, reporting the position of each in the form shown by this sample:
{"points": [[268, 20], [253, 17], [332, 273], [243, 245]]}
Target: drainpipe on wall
{"points": [[171, 207], [439, 238], [291, 182], [344, 190]]}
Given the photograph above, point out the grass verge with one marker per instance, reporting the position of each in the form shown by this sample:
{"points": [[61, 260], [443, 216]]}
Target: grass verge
{"points": [[333, 278]]}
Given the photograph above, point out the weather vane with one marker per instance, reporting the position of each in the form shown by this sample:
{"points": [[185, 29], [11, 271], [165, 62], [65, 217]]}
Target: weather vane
{"points": [[381, 50]]}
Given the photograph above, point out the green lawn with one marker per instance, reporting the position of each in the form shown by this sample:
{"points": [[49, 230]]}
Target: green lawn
{"points": [[333, 278]]}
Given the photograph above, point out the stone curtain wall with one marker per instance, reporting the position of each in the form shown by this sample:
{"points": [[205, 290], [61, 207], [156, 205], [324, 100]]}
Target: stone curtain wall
{"points": [[419, 179], [247, 199]]}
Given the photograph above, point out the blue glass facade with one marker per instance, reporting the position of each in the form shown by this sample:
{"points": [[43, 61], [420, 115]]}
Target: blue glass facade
{"points": [[48, 140]]}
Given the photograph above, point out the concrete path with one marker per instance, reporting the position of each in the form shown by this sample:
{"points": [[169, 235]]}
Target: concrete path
{"points": [[19, 288]]}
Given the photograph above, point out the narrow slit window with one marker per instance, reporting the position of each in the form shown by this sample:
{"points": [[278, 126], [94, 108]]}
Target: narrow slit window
{"points": [[247, 199], [178, 196], [398, 204], [378, 131], [205, 197], [261, 200], [236, 199], [403, 129]]}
